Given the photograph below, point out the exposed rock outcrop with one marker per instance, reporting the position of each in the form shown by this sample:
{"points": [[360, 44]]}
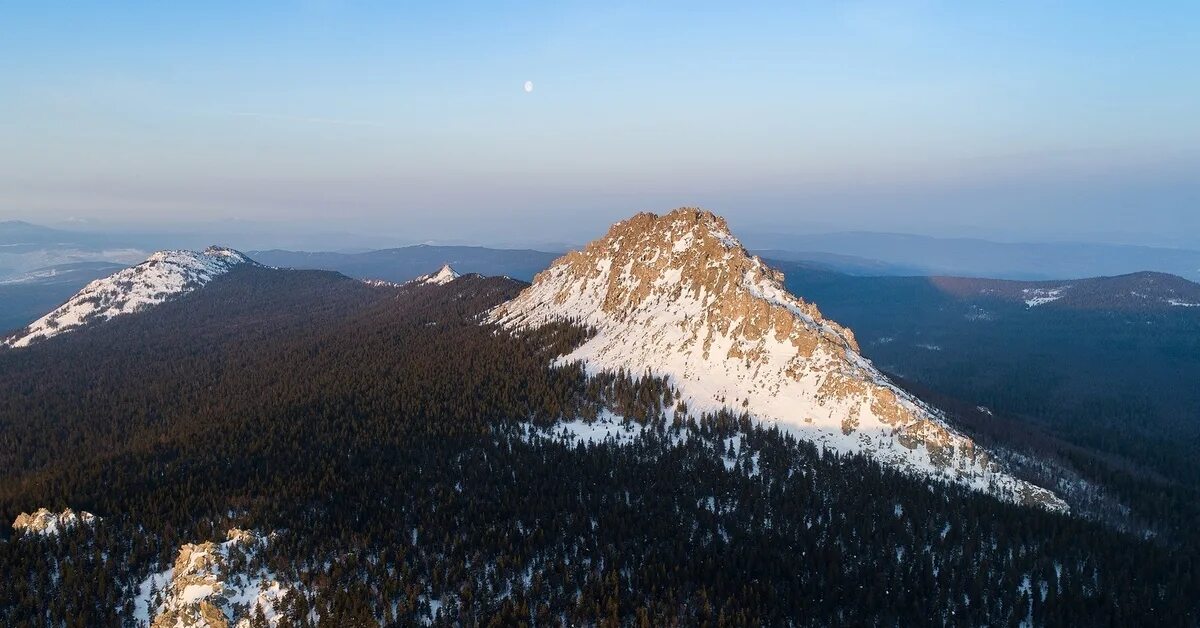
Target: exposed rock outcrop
{"points": [[213, 585], [43, 522]]}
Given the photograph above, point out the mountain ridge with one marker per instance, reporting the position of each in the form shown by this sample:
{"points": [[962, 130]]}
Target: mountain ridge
{"points": [[1138, 290], [163, 275], [909, 254], [406, 263]]}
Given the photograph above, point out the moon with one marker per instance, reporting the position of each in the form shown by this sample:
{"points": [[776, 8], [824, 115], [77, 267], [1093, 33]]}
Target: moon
{"points": [[528, 86]]}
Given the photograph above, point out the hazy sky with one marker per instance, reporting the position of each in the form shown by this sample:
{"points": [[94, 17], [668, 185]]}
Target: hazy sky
{"points": [[994, 119]]}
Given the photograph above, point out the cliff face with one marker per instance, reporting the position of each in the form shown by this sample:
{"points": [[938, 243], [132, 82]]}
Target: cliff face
{"points": [[678, 295]]}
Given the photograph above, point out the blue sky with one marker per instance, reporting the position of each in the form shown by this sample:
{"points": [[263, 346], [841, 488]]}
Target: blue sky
{"points": [[1019, 120]]}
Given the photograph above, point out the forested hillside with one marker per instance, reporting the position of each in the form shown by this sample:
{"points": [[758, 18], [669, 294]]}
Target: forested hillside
{"points": [[1093, 369]]}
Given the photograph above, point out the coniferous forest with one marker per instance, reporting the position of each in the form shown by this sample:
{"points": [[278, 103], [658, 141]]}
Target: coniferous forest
{"points": [[1106, 385], [404, 459]]}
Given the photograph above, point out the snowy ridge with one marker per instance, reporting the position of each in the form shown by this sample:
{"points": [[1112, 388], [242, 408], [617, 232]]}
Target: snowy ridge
{"points": [[213, 585], [678, 296], [381, 283], [164, 275], [443, 276], [46, 523]]}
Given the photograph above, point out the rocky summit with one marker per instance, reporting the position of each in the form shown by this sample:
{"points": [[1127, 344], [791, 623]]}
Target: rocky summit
{"points": [[677, 295]]}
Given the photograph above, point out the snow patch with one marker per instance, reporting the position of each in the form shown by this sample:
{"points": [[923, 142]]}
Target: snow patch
{"points": [[1041, 296], [381, 283], [608, 427]]}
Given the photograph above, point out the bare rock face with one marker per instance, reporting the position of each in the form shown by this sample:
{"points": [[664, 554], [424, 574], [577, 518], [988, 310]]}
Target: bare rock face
{"points": [[195, 591], [45, 523], [212, 585], [679, 296]]}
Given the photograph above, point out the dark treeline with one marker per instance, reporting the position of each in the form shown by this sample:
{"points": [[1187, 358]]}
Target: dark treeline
{"points": [[391, 441]]}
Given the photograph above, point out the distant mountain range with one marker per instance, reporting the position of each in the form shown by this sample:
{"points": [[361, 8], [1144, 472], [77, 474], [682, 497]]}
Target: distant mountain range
{"points": [[27, 249], [25, 246], [864, 254], [1142, 291], [870, 253], [38, 288], [26, 296]]}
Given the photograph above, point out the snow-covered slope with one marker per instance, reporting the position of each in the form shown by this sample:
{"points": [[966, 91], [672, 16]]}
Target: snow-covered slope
{"points": [[443, 276], [45, 523], [677, 295], [164, 275]]}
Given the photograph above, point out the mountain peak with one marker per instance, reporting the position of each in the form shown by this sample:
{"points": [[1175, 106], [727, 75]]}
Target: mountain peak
{"points": [[694, 217], [219, 252], [690, 253], [678, 295], [443, 276], [687, 225], [162, 276]]}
